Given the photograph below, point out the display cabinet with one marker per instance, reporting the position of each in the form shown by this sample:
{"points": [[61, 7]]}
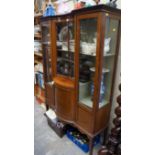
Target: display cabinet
{"points": [[80, 66]]}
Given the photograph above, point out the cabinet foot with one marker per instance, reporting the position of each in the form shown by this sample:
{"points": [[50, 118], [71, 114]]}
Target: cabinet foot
{"points": [[91, 146]]}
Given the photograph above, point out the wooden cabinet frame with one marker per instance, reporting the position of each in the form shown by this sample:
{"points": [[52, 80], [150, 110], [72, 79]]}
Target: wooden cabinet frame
{"points": [[89, 121]]}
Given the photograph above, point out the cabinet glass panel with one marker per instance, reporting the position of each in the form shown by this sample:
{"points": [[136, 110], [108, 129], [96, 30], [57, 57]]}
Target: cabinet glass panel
{"points": [[45, 33], [65, 48], [87, 60], [46, 44], [108, 62]]}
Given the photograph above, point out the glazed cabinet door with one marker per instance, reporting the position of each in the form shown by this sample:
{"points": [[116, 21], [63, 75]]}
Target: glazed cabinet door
{"points": [[47, 62], [109, 57], [88, 36], [64, 47], [64, 72]]}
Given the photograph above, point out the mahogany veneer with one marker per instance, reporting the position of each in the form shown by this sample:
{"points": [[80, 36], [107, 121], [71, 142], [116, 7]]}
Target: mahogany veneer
{"points": [[62, 94]]}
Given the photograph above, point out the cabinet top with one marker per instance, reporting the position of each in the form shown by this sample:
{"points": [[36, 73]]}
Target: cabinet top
{"points": [[96, 8]]}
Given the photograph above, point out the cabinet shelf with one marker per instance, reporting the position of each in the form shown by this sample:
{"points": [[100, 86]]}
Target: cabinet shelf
{"points": [[87, 54], [105, 55], [104, 70], [39, 71], [109, 54], [37, 36], [38, 15], [38, 54], [46, 43], [65, 59], [61, 50], [89, 103], [37, 62]]}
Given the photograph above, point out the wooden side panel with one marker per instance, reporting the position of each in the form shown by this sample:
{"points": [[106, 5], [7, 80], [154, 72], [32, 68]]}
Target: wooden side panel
{"points": [[50, 96], [84, 119], [102, 118], [64, 103]]}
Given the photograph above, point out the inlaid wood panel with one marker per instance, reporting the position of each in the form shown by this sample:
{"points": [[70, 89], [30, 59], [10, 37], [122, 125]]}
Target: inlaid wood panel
{"points": [[84, 119], [65, 105], [102, 118]]}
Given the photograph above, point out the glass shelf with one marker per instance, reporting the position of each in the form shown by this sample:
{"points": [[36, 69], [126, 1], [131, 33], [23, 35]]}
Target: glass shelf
{"points": [[64, 59], [46, 43], [87, 101], [64, 50], [104, 70], [94, 55], [105, 55], [109, 54], [88, 54]]}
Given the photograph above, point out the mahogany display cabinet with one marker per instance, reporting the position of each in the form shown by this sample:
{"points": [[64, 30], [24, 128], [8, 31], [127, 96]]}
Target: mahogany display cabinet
{"points": [[80, 59]]}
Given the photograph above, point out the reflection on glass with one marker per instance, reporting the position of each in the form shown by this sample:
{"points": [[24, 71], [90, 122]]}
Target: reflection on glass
{"points": [[65, 48], [87, 60], [108, 62]]}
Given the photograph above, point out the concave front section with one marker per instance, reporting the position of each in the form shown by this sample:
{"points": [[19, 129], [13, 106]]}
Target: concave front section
{"points": [[64, 98], [87, 60]]}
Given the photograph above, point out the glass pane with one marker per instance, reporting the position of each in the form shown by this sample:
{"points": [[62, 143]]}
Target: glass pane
{"points": [[108, 62], [46, 51], [47, 63], [87, 60], [45, 33], [65, 48]]}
